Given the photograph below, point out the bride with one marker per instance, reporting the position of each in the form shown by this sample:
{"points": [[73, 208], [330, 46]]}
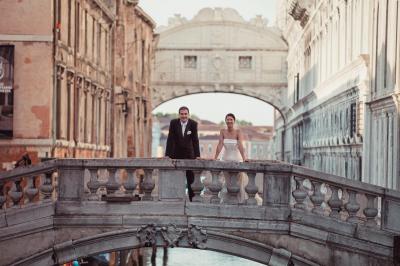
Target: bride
{"points": [[231, 140]]}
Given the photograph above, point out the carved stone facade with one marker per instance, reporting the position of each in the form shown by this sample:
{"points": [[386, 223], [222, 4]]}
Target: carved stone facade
{"points": [[133, 55], [83, 88], [342, 115], [73, 96], [218, 51]]}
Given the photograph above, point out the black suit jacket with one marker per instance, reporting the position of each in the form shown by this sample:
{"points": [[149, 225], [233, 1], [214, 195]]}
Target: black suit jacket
{"points": [[182, 146]]}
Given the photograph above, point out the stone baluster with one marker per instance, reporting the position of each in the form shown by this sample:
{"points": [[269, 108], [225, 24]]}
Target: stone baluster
{"points": [[47, 187], [112, 185], [148, 185], [335, 203], [370, 211], [299, 194], [31, 191], [93, 184], [130, 184], [197, 186], [232, 187], [3, 197], [16, 193], [251, 189], [317, 197], [215, 187], [352, 206]]}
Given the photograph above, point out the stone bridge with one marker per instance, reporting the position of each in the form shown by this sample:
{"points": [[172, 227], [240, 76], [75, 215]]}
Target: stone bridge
{"points": [[70, 208]]}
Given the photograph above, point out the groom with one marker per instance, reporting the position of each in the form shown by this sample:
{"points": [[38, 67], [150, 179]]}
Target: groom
{"points": [[183, 142]]}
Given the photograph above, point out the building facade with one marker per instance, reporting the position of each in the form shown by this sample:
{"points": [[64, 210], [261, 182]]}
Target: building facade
{"points": [[343, 81], [133, 56], [63, 93], [218, 51]]}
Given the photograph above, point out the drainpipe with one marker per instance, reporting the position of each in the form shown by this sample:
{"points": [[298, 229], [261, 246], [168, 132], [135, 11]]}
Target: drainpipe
{"points": [[54, 99]]}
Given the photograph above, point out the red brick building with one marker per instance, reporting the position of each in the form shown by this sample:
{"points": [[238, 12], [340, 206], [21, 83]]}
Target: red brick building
{"points": [[74, 79]]}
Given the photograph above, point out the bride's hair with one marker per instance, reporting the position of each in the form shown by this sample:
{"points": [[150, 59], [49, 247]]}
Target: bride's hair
{"points": [[231, 115]]}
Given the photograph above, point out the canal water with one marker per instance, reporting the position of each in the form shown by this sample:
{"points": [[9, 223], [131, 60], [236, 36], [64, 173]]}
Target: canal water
{"points": [[194, 257]]}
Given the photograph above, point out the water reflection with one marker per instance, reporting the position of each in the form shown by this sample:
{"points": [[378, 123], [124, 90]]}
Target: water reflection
{"points": [[163, 257], [194, 257]]}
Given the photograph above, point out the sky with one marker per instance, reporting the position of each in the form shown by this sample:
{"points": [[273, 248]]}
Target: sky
{"points": [[161, 10], [214, 106]]}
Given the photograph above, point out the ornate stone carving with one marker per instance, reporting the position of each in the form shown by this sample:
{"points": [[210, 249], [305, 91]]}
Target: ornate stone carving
{"points": [[147, 235], [197, 237], [60, 72], [171, 235]]}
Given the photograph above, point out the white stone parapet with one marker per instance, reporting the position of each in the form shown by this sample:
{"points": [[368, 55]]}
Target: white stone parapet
{"points": [[147, 196]]}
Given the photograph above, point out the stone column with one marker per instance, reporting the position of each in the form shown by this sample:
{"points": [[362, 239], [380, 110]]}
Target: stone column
{"points": [[390, 161], [375, 149], [60, 133], [78, 115], [87, 115], [70, 105], [93, 126], [101, 113], [398, 51], [396, 145], [379, 160], [108, 117]]}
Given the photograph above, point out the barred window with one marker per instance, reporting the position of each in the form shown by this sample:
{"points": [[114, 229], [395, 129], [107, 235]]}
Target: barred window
{"points": [[245, 62], [190, 61]]}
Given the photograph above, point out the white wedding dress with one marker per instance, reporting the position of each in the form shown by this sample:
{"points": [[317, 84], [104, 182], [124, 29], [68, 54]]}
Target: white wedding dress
{"points": [[231, 153]]}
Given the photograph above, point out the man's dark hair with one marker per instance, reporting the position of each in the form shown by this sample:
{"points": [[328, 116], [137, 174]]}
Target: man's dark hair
{"points": [[24, 161], [231, 115], [183, 108]]}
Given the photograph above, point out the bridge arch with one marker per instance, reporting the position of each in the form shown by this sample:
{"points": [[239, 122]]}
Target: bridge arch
{"points": [[127, 239]]}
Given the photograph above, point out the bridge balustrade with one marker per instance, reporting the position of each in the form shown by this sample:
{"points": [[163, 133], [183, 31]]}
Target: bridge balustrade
{"points": [[119, 180]]}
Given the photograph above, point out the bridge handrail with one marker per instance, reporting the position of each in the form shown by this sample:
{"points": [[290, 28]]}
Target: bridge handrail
{"points": [[283, 185], [29, 170], [339, 180]]}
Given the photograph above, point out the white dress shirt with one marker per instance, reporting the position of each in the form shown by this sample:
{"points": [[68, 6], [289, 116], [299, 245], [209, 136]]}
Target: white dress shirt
{"points": [[183, 124]]}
